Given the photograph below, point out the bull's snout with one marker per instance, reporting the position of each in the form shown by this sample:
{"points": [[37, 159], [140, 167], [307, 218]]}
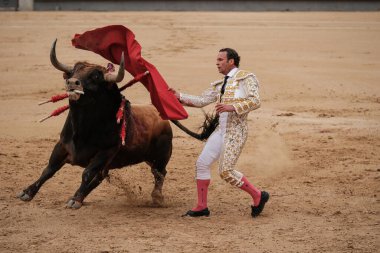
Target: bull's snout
{"points": [[74, 88], [73, 82]]}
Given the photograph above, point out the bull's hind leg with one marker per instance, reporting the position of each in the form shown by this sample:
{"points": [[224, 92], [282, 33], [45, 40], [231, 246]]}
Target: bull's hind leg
{"points": [[56, 161], [158, 167], [159, 178]]}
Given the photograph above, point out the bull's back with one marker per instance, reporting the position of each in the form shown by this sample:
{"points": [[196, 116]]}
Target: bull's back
{"points": [[148, 123]]}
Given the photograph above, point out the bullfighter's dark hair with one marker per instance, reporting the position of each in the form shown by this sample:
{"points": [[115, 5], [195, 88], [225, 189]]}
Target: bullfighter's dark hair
{"points": [[231, 54]]}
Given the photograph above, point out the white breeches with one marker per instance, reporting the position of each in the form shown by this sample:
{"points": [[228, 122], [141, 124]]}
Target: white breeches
{"points": [[212, 151]]}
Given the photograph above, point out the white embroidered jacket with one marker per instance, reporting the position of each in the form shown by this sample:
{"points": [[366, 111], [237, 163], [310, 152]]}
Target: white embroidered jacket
{"points": [[242, 92]]}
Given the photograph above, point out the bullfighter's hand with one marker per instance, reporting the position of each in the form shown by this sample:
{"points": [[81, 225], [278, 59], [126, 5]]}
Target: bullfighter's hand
{"points": [[224, 108], [176, 93]]}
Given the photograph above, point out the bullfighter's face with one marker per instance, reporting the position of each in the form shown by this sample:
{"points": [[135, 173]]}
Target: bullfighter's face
{"points": [[223, 64]]}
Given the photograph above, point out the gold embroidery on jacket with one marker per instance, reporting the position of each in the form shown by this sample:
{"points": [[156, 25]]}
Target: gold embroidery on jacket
{"points": [[237, 127]]}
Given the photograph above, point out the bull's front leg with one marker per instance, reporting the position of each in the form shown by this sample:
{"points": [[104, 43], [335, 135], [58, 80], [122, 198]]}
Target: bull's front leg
{"points": [[56, 161], [92, 176]]}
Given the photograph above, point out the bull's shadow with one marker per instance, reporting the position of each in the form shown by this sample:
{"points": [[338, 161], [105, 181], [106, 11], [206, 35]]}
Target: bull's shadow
{"points": [[90, 136]]}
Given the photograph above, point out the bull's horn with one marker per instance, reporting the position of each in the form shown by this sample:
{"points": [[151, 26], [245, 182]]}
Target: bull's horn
{"points": [[55, 62], [120, 74]]}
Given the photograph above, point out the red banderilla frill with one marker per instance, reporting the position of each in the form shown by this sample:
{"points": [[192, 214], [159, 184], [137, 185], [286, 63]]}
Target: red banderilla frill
{"points": [[55, 98], [56, 112], [121, 115], [120, 112]]}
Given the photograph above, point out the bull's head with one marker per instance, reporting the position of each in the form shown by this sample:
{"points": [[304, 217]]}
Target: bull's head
{"points": [[84, 76]]}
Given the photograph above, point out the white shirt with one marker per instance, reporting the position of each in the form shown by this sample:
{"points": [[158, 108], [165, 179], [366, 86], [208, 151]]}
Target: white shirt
{"points": [[223, 116], [232, 72]]}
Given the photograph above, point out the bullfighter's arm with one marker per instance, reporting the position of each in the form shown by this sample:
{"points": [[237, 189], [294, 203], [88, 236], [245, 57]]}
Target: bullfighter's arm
{"points": [[208, 96], [252, 100]]}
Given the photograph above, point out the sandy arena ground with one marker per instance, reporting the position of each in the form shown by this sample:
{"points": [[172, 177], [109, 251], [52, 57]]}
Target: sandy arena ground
{"points": [[314, 144]]}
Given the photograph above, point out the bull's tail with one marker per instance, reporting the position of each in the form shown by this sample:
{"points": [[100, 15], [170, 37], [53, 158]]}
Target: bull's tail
{"points": [[209, 125]]}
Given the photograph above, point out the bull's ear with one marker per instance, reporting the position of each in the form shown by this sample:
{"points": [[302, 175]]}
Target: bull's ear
{"points": [[120, 74], [54, 61]]}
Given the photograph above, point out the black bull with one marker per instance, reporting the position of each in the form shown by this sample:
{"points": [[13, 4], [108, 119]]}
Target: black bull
{"points": [[90, 136]]}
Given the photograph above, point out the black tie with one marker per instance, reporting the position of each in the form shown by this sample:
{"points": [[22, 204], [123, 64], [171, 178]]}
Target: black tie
{"points": [[224, 84]]}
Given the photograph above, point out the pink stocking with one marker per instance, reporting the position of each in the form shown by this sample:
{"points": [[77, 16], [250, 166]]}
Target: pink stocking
{"points": [[253, 191], [202, 188]]}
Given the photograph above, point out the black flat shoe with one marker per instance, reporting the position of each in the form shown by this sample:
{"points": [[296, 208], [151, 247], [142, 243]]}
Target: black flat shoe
{"points": [[256, 210], [204, 212]]}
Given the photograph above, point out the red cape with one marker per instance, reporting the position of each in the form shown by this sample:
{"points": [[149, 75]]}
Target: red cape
{"points": [[110, 42]]}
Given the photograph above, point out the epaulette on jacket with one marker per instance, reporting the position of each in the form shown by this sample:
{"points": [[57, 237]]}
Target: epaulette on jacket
{"points": [[242, 74], [217, 82]]}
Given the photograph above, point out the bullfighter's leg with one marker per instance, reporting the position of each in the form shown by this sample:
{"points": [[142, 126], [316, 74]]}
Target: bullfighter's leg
{"points": [[56, 161], [91, 177], [158, 167], [228, 172]]}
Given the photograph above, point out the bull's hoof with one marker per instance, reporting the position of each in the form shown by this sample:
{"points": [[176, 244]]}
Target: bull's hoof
{"points": [[24, 196], [74, 204], [158, 199]]}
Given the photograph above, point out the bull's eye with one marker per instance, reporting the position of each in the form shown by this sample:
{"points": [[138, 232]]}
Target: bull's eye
{"points": [[96, 75]]}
